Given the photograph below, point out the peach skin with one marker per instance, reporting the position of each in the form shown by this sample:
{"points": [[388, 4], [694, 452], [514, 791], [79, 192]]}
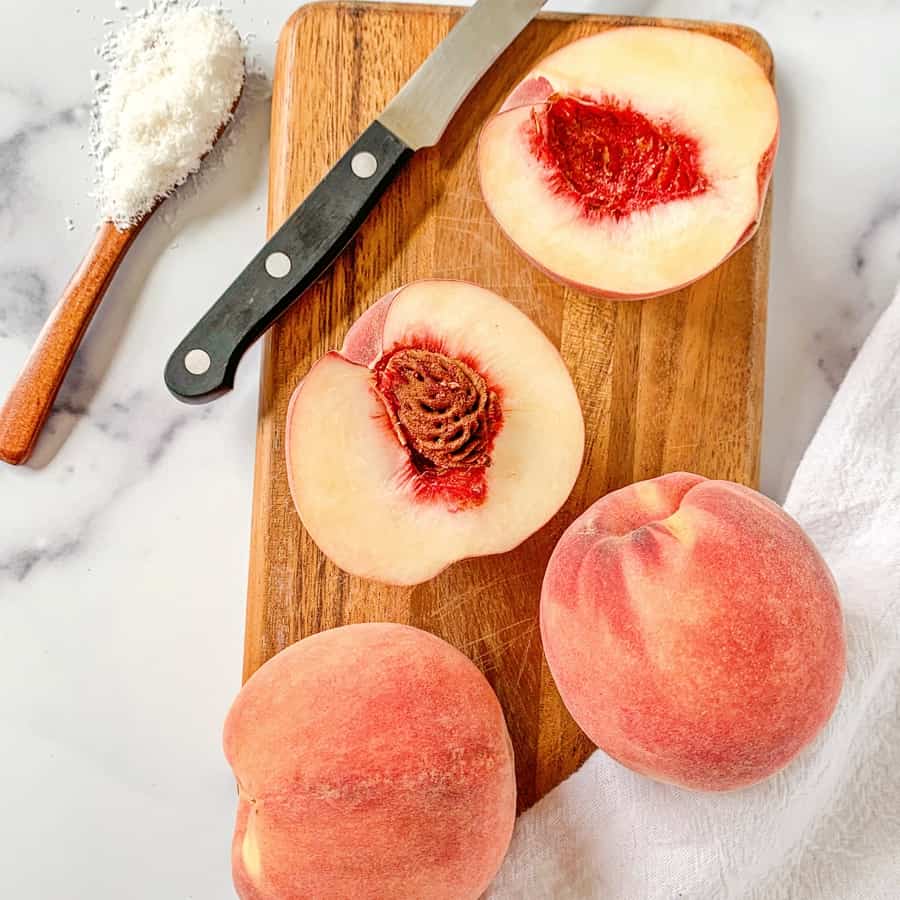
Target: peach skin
{"points": [[373, 763], [694, 631]]}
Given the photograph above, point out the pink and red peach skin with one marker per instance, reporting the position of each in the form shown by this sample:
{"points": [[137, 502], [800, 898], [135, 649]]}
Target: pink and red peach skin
{"points": [[373, 763], [693, 631]]}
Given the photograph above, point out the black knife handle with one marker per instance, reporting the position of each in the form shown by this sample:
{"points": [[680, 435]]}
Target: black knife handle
{"points": [[204, 364]]}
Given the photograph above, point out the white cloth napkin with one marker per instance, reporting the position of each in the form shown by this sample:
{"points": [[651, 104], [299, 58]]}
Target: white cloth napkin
{"points": [[828, 827]]}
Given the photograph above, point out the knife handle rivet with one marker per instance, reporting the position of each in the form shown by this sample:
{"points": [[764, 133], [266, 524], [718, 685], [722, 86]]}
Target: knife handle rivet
{"points": [[278, 264], [364, 164], [197, 362]]}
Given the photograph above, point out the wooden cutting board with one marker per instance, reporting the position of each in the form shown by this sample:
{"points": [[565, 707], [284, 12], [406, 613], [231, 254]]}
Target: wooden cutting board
{"points": [[666, 384]]}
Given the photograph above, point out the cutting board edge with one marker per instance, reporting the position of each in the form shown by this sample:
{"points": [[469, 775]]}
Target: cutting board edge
{"points": [[755, 37]]}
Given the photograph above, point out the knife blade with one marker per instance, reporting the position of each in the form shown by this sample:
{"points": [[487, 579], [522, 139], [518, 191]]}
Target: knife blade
{"points": [[204, 364]]}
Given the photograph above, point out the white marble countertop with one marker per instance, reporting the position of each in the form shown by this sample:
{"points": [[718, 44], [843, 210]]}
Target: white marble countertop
{"points": [[123, 547]]}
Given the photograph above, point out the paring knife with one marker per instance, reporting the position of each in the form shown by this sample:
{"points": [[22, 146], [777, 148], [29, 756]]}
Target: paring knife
{"points": [[203, 367]]}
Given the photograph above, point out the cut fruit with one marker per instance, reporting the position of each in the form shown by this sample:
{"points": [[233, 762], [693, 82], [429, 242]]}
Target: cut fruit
{"points": [[633, 162], [446, 427]]}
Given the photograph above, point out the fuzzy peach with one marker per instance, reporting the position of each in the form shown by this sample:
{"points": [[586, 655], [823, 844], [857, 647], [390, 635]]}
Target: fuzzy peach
{"points": [[373, 762], [693, 631]]}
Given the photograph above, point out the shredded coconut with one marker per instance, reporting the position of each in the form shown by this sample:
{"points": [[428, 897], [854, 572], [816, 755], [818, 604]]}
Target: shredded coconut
{"points": [[176, 72]]}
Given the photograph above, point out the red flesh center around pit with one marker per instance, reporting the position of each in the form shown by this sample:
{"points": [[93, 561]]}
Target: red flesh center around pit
{"points": [[611, 159], [446, 416]]}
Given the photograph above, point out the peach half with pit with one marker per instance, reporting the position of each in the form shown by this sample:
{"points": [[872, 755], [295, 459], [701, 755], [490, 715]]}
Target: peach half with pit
{"points": [[446, 427], [694, 631], [631, 163], [373, 762]]}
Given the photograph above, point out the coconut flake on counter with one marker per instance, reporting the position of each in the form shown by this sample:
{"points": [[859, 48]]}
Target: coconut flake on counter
{"points": [[176, 72]]}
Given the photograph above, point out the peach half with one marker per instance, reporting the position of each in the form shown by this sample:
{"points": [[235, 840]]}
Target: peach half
{"points": [[693, 631], [373, 763], [446, 427], [633, 162]]}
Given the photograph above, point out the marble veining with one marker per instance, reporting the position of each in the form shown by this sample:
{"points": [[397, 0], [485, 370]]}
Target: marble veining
{"points": [[19, 563], [26, 302], [887, 214], [123, 545], [14, 147], [113, 422]]}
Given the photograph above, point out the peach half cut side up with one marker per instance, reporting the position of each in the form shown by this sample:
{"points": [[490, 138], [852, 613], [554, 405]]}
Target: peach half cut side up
{"points": [[446, 427], [631, 163]]}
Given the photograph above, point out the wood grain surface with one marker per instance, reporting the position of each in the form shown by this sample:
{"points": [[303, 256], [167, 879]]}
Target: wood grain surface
{"points": [[666, 384], [31, 397]]}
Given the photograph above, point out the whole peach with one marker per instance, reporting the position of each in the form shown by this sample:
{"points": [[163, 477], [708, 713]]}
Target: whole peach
{"points": [[373, 763], [693, 631]]}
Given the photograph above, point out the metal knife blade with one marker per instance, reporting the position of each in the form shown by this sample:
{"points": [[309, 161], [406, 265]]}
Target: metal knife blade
{"points": [[422, 109], [204, 364]]}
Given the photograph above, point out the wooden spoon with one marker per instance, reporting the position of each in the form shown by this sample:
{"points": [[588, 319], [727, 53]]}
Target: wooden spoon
{"points": [[31, 398], [29, 402]]}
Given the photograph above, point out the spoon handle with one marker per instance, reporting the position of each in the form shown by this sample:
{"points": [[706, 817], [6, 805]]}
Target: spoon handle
{"points": [[29, 402]]}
